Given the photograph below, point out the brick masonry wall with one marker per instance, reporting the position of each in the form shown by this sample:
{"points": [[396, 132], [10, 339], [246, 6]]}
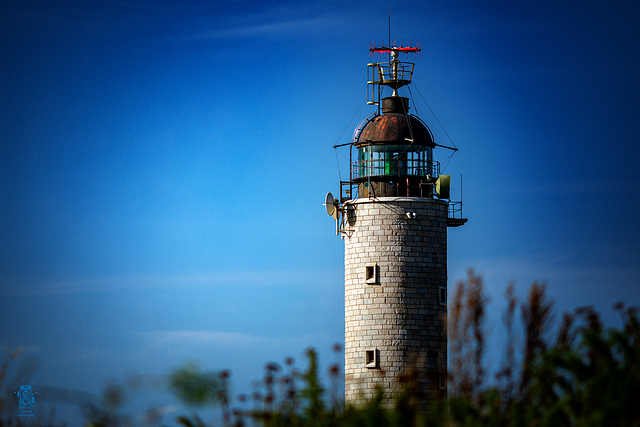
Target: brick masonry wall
{"points": [[399, 315]]}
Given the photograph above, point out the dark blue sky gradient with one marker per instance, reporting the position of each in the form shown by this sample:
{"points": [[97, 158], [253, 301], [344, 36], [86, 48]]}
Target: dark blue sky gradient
{"points": [[163, 167]]}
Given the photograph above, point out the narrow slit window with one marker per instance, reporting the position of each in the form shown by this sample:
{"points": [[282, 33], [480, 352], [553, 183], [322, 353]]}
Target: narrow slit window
{"points": [[371, 273], [371, 358], [442, 381], [442, 295]]}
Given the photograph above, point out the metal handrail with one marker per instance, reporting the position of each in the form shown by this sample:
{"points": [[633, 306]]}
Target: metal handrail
{"points": [[455, 210], [395, 70], [381, 167]]}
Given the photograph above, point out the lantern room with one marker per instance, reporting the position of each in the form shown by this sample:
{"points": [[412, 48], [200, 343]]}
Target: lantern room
{"points": [[395, 154]]}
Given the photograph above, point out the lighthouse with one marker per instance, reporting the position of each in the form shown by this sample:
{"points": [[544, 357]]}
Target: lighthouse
{"points": [[393, 214]]}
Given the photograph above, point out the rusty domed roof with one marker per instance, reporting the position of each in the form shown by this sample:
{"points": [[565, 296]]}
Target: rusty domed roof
{"points": [[395, 126]]}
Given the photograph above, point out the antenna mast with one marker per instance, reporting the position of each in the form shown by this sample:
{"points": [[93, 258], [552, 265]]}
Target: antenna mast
{"points": [[393, 73], [389, 39]]}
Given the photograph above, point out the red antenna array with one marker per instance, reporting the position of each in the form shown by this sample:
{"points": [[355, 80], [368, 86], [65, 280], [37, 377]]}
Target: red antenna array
{"points": [[409, 50]]}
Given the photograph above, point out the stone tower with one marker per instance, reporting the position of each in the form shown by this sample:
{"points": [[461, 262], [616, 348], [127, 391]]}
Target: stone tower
{"points": [[393, 214]]}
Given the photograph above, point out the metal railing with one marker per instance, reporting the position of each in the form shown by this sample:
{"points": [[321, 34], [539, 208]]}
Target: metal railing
{"points": [[455, 210], [394, 74], [395, 70], [379, 167]]}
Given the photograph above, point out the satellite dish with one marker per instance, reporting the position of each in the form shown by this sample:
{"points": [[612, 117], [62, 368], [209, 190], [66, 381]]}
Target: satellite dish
{"points": [[329, 205], [443, 184]]}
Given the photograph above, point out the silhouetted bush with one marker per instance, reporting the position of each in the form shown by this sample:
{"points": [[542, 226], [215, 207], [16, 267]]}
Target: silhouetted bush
{"points": [[586, 375]]}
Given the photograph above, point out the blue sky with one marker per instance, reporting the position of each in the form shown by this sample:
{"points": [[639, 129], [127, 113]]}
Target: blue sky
{"points": [[163, 167]]}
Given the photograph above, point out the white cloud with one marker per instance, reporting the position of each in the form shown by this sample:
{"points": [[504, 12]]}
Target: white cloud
{"points": [[154, 281], [189, 21], [574, 276], [570, 263], [16, 351], [297, 26], [216, 339], [606, 186], [199, 338], [244, 353]]}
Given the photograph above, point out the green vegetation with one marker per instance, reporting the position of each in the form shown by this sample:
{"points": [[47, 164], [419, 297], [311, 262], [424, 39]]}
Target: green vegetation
{"points": [[583, 375]]}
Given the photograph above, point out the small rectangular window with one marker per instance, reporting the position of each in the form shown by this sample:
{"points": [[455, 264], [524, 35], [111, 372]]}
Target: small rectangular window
{"points": [[442, 295], [442, 381], [371, 273], [371, 358]]}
